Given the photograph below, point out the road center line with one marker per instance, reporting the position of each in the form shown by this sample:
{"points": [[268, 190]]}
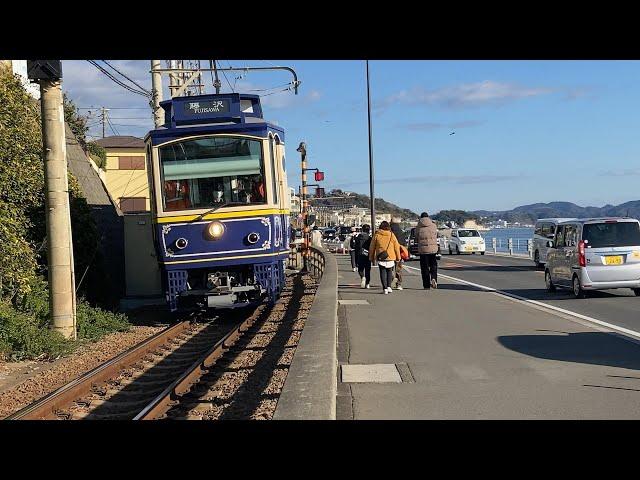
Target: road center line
{"points": [[534, 303]]}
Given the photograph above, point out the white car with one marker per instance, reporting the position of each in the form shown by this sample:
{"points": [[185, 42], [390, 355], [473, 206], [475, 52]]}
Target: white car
{"points": [[466, 240]]}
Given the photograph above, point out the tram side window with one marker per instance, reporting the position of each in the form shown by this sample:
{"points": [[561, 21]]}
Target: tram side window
{"points": [[213, 171]]}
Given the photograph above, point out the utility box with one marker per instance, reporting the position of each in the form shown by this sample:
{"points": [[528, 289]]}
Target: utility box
{"points": [[142, 273]]}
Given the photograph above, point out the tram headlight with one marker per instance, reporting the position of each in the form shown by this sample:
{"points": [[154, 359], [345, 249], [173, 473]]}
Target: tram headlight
{"points": [[215, 230], [181, 243], [253, 238]]}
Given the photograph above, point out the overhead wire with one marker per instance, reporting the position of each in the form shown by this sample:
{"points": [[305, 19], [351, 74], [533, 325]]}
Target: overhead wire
{"points": [[119, 82], [132, 81]]}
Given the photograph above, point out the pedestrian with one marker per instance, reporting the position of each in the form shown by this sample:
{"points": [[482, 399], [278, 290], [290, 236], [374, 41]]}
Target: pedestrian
{"points": [[385, 250], [361, 245], [316, 237], [349, 243], [427, 239], [402, 240]]}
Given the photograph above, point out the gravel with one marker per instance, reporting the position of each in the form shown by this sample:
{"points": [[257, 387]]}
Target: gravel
{"points": [[246, 383], [84, 359]]}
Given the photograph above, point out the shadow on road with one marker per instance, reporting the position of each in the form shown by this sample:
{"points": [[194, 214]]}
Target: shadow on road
{"points": [[595, 348], [560, 294]]}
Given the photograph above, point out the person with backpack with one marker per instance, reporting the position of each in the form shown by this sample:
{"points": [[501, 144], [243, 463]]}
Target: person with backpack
{"points": [[404, 253], [361, 244], [427, 239], [385, 249]]}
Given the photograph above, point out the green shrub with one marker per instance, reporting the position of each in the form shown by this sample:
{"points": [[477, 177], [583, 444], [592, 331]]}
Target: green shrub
{"points": [[94, 323], [98, 153], [22, 337]]}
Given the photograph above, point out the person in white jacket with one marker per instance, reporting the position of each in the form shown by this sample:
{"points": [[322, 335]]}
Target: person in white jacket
{"points": [[316, 237]]}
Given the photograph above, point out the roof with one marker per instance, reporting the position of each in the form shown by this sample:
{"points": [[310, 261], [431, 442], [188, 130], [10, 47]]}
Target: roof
{"points": [[121, 141]]}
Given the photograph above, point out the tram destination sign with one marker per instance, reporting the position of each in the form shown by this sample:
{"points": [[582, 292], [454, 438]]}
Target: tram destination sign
{"points": [[201, 107]]}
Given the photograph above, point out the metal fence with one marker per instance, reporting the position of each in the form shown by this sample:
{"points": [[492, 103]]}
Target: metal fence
{"points": [[512, 246], [315, 260]]}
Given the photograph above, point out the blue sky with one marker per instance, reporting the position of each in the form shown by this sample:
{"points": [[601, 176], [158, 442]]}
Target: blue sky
{"points": [[525, 131]]}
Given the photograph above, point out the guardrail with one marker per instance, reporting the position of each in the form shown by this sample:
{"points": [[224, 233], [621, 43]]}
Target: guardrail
{"points": [[510, 246], [315, 260]]}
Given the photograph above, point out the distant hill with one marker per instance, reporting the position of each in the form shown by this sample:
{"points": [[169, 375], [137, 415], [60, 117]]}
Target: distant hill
{"points": [[342, 198], [530, 213]]}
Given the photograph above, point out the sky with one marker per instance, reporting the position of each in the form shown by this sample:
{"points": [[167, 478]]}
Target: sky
{"points": [[525, 131]]}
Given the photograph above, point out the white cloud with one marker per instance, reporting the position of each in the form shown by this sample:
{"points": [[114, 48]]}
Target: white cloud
{"points": [[488, 92]]}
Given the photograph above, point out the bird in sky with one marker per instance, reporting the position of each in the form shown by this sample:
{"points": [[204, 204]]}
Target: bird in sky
{"points": [[452, 133]]}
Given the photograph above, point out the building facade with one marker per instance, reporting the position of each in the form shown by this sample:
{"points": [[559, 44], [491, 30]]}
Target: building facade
{"points": [[126, 172]]}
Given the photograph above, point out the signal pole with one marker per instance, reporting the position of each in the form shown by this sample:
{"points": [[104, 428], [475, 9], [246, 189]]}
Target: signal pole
{"points": [[302, 148], [62, 298]]}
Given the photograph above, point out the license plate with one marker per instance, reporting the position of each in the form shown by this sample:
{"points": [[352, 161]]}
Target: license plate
{"points": [[468, 247], [613, 260]]}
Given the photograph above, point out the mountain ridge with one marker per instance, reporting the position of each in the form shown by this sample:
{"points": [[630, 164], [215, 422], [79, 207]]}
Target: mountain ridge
{"points": [[531, 212]]}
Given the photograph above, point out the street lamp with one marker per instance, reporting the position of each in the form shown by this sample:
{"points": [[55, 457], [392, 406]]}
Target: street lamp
{"points": [[371, 194]]}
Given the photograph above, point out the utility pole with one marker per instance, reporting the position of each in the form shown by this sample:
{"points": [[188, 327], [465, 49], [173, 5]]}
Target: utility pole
{"points": [[371, 193], [217, 82], [302, 148], [62, 298], [104, 119], [156, 93]]}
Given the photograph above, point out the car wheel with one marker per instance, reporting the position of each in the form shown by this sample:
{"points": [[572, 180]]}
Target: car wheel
{"points": [[637, 292], [536, 259], [548, 282], [481, 253], [450, 252], [578, 292], [457, 250]]}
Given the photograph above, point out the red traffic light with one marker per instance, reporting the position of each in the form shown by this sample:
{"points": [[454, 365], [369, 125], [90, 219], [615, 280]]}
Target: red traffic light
{"points": [[319, 176]]}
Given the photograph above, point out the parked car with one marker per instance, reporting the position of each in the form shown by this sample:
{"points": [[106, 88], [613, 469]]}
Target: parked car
{"points": [[545, 230], [329, 234], [594, 254], [466, 240], [343, 232]]}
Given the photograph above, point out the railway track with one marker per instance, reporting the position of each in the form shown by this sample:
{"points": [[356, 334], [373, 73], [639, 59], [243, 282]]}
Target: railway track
{"points": [[124, 386], [157, 378]]}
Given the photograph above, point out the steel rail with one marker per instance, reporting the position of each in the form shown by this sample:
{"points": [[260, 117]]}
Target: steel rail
{"points": [[166, 399], [46, 407]]}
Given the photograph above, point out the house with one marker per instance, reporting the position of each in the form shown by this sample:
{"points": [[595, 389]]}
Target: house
{"points": [[126, 172]]}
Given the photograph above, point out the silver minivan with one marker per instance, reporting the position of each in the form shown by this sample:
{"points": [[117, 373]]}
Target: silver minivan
{"points": [[545, 230], [594, 254]]}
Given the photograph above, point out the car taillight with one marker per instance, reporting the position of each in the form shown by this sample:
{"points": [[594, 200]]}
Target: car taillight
{"points": [[581, 258]]}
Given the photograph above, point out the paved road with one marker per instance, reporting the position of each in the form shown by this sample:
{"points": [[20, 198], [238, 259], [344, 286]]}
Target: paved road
{"points": [[520, 277], [477, 355]]}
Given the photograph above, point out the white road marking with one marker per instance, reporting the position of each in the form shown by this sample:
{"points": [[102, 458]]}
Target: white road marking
{"points": [[470, 372], [545, 306]]}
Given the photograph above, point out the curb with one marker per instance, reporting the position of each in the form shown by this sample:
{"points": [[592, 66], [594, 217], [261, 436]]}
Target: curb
{"points": [[310, 389]]}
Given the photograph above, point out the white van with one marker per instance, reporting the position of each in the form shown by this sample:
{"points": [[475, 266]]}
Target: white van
{"points": [[545, 230]]}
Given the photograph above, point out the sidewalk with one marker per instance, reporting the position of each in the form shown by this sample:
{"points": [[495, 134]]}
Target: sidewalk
{"points": [[461, 353]]}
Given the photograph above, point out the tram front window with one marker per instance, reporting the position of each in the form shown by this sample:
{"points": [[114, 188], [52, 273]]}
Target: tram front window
{"points": [[212, 171]]}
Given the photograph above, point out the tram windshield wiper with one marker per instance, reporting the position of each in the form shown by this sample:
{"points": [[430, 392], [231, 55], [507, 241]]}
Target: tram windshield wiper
{"points": [[229, 204]]}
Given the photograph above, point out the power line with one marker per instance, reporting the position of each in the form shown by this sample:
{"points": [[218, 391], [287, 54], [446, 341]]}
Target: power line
{"points": [[122, 84], [132, 81]]}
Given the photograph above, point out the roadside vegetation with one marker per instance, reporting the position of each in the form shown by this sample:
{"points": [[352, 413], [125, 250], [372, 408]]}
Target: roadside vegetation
{"points": [[24, 308]]}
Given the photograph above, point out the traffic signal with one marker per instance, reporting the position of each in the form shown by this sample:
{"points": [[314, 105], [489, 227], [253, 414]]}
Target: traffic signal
{"points": [[44, 69], [319, 192], [319, 176]]}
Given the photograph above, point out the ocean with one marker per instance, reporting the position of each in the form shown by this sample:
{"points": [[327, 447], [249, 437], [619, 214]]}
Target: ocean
{"points": [[502, 236]]}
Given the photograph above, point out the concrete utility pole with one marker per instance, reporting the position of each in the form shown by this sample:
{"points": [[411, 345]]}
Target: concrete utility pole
{"points": [[62, 297], [156, 93], [104, 119]]}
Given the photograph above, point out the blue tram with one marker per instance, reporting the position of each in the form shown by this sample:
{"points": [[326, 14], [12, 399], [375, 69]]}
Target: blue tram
{"points": [[219, 201]]}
